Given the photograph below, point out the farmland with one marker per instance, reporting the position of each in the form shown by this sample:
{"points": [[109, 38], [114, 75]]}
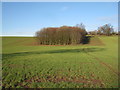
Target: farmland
{"points": [[28, 65]]}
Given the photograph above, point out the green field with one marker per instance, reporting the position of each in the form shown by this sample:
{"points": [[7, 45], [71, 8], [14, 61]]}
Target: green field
{"points": [[28, 65]]}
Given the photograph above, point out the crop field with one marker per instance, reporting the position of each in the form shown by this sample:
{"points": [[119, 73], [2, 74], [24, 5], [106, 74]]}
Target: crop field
{"points": [[28, 65]]}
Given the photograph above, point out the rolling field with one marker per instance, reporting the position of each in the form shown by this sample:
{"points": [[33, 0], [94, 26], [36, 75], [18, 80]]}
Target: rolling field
{"points": [[28, 65]]}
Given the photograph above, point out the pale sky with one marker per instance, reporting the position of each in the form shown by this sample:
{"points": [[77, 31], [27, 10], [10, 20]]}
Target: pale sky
{"points": [[25, 18]]}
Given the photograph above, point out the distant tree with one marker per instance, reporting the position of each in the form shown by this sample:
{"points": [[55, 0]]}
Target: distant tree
{"points": [[106, 29], [93, 32], [81, 25], [99, 31]]}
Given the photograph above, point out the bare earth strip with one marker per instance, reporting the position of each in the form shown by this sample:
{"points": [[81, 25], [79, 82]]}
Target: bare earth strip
{"points": [[106, 65]]}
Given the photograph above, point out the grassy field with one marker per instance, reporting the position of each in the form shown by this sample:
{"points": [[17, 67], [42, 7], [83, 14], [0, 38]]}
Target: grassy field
{"points": [[28, 65]]}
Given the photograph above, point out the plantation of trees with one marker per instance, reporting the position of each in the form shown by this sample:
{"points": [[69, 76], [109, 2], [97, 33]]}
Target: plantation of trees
{"points": [[64, 35]]}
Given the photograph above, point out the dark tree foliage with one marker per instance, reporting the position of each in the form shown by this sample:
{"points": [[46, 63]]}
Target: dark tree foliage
{"points": [[64, 35]]}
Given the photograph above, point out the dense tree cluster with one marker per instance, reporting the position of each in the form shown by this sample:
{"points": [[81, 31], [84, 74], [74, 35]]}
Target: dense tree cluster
{"points": [[64, 35]]}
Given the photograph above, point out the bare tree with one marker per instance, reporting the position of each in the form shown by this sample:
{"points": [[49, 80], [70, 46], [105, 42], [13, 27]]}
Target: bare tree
{"points": [[106, 29]]}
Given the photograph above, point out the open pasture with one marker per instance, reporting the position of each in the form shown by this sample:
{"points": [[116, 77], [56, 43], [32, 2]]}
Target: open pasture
{"points": [[25, 64]]}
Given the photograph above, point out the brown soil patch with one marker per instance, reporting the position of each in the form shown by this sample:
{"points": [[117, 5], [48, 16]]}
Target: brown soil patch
{"points": [[57, 79], [17, 66]]}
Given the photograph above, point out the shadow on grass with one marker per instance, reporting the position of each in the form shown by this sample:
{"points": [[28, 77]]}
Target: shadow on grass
{"points": [[86, 40], [82, 50]]}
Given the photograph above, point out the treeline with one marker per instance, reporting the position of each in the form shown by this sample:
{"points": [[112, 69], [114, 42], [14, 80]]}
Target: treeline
{"points": [[106, 29], [64, 35]]}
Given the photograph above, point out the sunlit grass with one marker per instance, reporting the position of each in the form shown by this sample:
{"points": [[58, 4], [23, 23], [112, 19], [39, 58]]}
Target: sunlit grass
{"points": [[92, 65]]}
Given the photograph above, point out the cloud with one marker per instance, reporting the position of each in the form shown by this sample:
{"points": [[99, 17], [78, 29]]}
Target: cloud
{"points": [[109, 19], [64, 8]]}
